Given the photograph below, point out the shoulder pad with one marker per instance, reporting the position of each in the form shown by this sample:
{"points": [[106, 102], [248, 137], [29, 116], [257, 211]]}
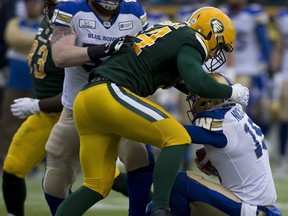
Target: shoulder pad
{"points": [[135, 8], [65, 11]]}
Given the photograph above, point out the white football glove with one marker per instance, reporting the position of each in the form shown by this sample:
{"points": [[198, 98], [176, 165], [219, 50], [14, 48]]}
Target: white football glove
{"points": [[240, 94], [24, 107]]}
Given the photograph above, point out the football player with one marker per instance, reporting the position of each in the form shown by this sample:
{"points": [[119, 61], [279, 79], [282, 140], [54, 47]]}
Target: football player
{"points": [[28, 145], [279, 62], [27, 148], [113, 104], [19, 35], [253, 47], [85, 34], [234, 151]]}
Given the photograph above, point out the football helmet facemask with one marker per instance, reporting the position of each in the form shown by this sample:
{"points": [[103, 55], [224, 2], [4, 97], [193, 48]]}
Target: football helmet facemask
{"points": [[109, 5], [218, 30], [198, 104]]}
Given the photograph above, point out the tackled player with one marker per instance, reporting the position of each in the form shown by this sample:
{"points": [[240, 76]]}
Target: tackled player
{"points": [[234, 151]]}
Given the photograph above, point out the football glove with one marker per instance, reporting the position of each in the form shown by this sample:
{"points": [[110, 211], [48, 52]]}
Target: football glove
{"points": [[24, 107], [103, 50], [204, 164], [122, 43], [240, 94]]}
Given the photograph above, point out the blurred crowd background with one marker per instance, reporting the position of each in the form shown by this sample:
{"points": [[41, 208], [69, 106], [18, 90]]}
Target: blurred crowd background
{"points": [[260, 61]]}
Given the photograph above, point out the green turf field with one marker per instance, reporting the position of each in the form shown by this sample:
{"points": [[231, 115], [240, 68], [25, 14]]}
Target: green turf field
{"points": [[115, 205]]}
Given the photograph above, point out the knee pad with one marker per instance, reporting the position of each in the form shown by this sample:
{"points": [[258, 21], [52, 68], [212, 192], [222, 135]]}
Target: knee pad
{"points": [[63, 141], [56, 183]]}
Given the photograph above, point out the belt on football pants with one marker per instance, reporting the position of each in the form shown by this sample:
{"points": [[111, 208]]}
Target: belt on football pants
{"points": [[98, 78]]}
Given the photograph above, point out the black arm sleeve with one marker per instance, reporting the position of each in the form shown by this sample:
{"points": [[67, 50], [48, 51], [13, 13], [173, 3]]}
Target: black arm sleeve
{"points": [[97, 51], [52, 104], [197, 81]]}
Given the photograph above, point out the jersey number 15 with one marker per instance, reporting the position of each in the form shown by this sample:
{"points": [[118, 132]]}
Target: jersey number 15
{"points": [[255, 132]]}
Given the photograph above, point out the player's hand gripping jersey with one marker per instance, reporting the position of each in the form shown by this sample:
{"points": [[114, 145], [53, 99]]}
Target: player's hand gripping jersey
{"points": [[91, 30]]}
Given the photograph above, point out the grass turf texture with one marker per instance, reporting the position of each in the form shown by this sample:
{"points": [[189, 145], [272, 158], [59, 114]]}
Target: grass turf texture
{"points": [[115, 205]]}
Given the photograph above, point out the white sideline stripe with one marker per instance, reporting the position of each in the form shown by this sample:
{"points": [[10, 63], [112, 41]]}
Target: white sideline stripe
{"points": [[135, 104]]}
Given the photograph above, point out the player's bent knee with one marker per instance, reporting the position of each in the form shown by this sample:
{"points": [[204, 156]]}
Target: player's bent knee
{"points": [[173, 133], [99, 185], [57, 183], [213, 186], [12, 165]]}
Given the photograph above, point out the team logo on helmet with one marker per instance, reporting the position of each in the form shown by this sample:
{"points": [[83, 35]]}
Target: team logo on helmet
{"points": [[217, 26]]}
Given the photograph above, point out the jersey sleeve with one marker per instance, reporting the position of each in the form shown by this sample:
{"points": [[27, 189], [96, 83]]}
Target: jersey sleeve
{"points": [[204, 136], [197, 81], [63, 13]]}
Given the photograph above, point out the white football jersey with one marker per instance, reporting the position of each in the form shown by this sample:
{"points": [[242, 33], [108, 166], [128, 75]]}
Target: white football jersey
{"points": [[282, 21], [247, 50], [92, 30], [243, 164]]}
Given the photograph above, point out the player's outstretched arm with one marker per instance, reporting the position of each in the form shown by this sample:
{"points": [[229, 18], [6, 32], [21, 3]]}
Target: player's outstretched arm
{"points": [[66, 54], [198, 82], [24, 107]]}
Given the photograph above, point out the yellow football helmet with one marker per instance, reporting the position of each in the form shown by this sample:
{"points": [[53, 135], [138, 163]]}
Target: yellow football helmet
{"points": [[218, 30], [198, 104]]}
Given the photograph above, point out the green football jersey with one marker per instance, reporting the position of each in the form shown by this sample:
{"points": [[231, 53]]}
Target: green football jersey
{"points": [[46, 77], [153, 61]]}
